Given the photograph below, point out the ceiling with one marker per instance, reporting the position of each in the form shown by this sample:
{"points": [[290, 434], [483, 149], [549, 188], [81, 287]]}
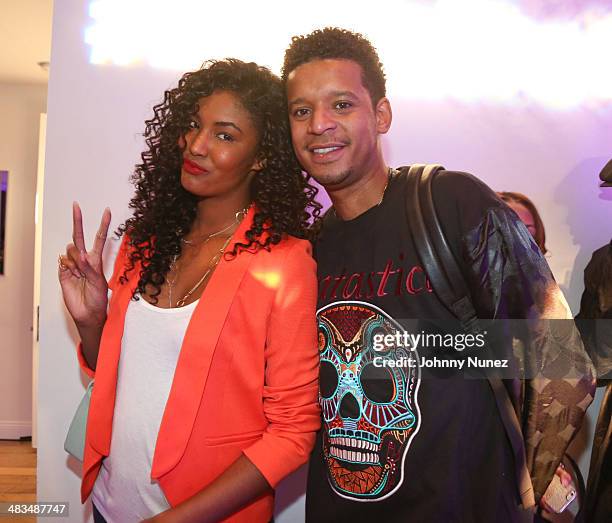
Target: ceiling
{"points": [[25, 40]]}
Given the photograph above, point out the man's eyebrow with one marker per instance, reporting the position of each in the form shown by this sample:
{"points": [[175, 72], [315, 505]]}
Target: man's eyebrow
{"points": [[350, 94], [228, 124], [332, 94]]}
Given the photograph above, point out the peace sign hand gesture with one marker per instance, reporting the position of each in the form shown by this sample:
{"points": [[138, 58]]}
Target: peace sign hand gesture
{"points": [[81, 274]]}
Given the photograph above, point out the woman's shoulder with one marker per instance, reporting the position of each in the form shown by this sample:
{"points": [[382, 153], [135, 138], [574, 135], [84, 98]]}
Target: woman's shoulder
{"points": [[290, 242], [294, 247], [289, 251]]}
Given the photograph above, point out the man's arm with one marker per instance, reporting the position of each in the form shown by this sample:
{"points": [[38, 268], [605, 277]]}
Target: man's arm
{"points": [[515, 282]]}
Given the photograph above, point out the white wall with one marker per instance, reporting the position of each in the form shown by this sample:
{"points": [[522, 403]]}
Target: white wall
{"points": [[92, 120], [96, 112], [20, 108], [553, 156]]}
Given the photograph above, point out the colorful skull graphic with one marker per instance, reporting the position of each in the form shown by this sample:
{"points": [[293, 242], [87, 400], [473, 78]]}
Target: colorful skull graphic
{"points": [[370, 411]]}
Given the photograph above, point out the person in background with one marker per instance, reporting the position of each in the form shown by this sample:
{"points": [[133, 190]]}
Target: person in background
{"points": [[205, 358], [529, 215], [595, 323]]}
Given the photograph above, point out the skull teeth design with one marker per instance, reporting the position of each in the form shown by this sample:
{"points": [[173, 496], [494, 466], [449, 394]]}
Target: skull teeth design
{"points": [[370, 414], [354, 450]]}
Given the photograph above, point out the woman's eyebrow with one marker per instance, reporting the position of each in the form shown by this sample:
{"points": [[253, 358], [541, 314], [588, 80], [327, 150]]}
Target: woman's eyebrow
{"points": [[228, 124]]}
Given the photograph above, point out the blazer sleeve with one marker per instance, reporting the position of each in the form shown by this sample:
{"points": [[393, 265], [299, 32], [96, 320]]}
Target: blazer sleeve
{"points": [[120, 261], [290, 393]]}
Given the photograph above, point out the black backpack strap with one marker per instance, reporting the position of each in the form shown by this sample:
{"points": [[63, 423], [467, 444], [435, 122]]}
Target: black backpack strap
{"points": [[442, 268], [450, 286]]}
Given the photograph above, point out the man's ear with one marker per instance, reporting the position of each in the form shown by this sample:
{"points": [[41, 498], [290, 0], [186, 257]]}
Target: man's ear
{"points": [[383, 115]]}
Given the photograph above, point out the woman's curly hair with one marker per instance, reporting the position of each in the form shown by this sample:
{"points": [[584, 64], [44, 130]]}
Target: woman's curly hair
{"points": [[338, 44], [164, 211]]}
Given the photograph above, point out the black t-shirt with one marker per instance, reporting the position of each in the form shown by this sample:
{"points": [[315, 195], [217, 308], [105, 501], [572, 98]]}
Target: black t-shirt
{"points": [[397, 446]]}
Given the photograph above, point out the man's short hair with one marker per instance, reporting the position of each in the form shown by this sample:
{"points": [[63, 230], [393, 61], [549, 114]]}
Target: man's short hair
{"points": [[339, 44]]}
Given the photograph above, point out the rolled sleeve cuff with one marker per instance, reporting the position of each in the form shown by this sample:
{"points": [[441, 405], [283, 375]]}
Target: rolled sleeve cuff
{"points": [[276, 457]]}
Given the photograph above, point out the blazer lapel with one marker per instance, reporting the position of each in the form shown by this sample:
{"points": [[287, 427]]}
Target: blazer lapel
{"points": [[197, 353]]}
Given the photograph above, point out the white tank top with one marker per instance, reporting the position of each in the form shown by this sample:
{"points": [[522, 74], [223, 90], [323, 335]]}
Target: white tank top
{"points": [[152, 339]]}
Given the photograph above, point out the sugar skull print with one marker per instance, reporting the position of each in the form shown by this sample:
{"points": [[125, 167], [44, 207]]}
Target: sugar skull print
{"points": [[370, 410]]}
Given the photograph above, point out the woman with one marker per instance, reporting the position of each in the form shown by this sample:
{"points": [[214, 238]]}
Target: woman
{"points": [[528, 214], [205, 359]]}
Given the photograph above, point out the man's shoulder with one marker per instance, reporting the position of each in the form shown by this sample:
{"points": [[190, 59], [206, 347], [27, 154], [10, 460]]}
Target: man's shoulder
{"points": [[603, 252], [450, 186], [464, 187], [462, 199], [600, 259]]}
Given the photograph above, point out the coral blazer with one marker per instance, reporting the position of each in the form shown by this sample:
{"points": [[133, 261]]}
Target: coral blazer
{"points": [[246, 381]]}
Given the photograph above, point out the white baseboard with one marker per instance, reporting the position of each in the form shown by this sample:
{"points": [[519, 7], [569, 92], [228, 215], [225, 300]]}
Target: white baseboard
{"points": [[15, 429]]}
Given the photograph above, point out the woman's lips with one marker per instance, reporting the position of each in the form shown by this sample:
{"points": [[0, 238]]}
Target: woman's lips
{"points": [[193, 168]]}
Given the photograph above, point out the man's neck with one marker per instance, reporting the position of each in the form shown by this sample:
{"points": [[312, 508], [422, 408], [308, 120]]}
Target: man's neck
{"points": [[367, 192]]}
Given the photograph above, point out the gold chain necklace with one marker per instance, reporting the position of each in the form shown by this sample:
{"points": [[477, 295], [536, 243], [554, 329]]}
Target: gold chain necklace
{"points": [[214, 261], [205, 239], [174, 267], [391, 172]]}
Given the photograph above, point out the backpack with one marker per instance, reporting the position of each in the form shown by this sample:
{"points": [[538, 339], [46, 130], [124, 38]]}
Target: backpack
{"points": [[450, 287]]}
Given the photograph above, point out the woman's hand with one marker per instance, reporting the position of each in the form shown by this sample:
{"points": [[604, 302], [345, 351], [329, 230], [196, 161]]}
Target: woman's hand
{"points": [[81, 274]]}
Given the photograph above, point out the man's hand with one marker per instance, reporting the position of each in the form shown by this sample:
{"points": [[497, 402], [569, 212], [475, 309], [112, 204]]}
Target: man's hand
{"points": [[566, 480]]}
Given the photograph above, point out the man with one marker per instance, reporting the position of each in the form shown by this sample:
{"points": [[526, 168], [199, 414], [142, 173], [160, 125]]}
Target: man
{"points": [[595, 323], [398, 444]]}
